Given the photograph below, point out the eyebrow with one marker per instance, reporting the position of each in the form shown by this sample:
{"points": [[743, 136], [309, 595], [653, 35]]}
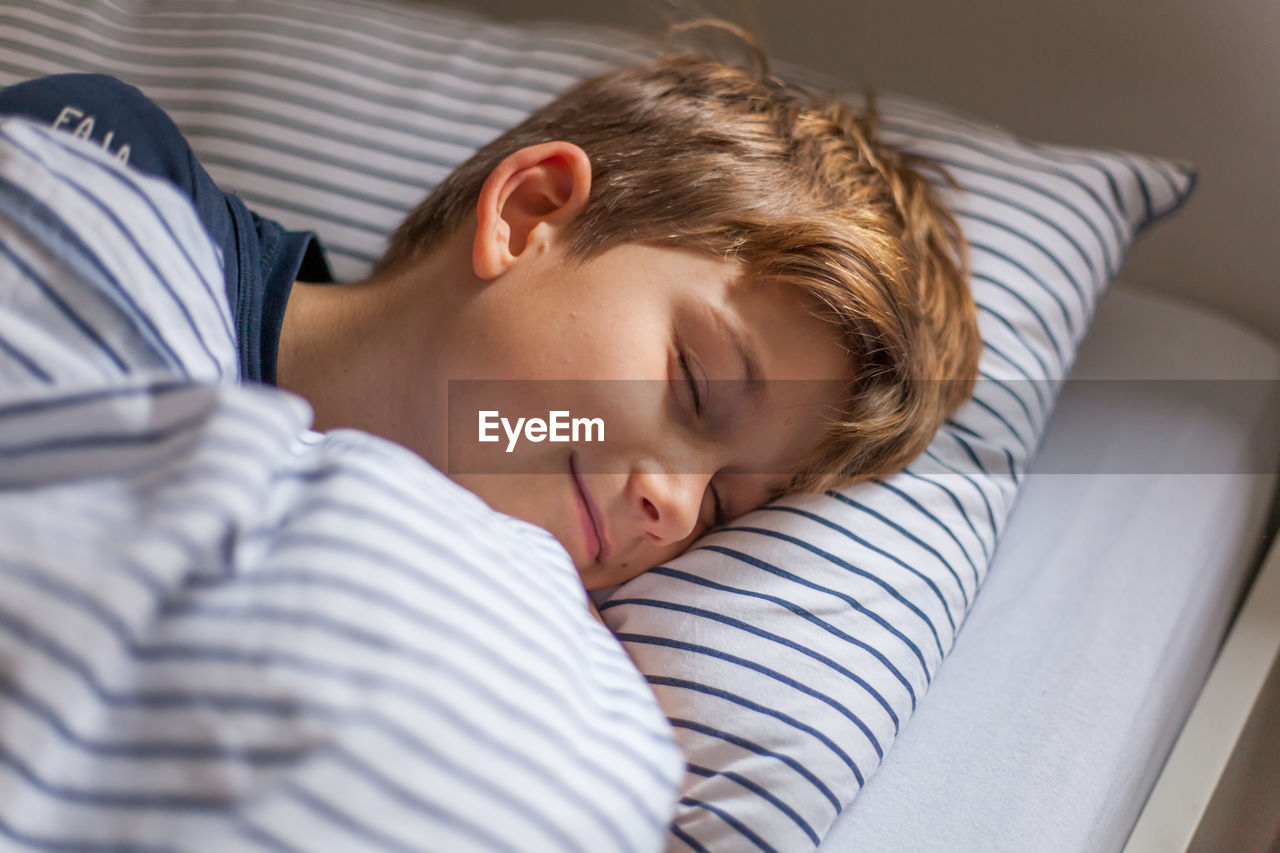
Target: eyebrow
{"points": [[747, 353]]}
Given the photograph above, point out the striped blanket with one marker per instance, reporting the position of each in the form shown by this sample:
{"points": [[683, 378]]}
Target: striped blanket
{"points": [[220, 630]]}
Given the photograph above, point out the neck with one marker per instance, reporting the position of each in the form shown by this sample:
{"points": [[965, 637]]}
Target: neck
{"points": [[371, 355], [348, 348]]}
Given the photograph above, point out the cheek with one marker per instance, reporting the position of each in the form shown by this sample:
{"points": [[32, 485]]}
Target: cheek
{"points": [[752, 491], [611, 334]]}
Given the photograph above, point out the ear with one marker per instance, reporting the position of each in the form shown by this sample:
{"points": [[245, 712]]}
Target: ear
{"points": [[525, 203]]}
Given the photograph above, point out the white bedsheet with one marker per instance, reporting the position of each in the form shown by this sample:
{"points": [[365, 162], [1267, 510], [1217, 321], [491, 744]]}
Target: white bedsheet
{"points": [[1107, 599]]}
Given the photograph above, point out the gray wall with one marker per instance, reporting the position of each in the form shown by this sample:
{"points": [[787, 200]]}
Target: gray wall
{"points": [[1190, 79]]}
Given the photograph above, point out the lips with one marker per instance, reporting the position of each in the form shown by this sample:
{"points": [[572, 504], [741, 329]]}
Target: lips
{"points": [[597, 545]]}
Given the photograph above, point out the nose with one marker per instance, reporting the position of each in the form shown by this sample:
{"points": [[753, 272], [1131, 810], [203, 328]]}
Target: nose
{"points": [[669, 504]]}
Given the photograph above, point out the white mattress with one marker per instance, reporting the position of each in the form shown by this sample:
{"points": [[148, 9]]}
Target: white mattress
{"points": [[1108, 597]]}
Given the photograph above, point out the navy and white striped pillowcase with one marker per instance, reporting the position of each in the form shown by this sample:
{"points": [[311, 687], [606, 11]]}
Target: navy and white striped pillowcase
{"points": [[287, 87], [833, 609], [220, 631]]}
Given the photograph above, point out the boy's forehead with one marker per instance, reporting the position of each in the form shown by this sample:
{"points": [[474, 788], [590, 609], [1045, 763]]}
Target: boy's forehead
{"points": [[762, 332], [801, 375], [775, 323], [765, 320]]}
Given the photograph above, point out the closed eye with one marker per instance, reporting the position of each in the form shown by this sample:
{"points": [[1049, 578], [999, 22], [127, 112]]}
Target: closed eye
{"points": [[719, 517], [693, 384]]}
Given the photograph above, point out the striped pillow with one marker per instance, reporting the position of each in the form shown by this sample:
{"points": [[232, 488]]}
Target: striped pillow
{"points": [[789, 650]]}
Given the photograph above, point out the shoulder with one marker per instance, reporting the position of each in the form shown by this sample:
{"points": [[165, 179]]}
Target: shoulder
{"points": [[116, 116]]}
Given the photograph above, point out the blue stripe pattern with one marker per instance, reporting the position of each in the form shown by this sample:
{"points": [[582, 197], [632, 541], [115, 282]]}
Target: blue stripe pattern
{"points": [[832, 611]]}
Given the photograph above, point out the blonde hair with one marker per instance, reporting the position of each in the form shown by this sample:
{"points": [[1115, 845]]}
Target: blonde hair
{"points": [[701, 154]]}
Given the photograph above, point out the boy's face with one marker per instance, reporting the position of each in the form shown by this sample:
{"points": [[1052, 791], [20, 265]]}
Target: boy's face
{"points": [[622, 334], [655, 343]]}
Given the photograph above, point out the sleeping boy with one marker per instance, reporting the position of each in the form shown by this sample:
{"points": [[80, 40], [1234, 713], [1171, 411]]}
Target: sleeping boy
{"points": [[748, 290]]}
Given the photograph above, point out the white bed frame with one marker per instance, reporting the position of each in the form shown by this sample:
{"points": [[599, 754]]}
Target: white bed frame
{"points": [[1219, 789]]}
